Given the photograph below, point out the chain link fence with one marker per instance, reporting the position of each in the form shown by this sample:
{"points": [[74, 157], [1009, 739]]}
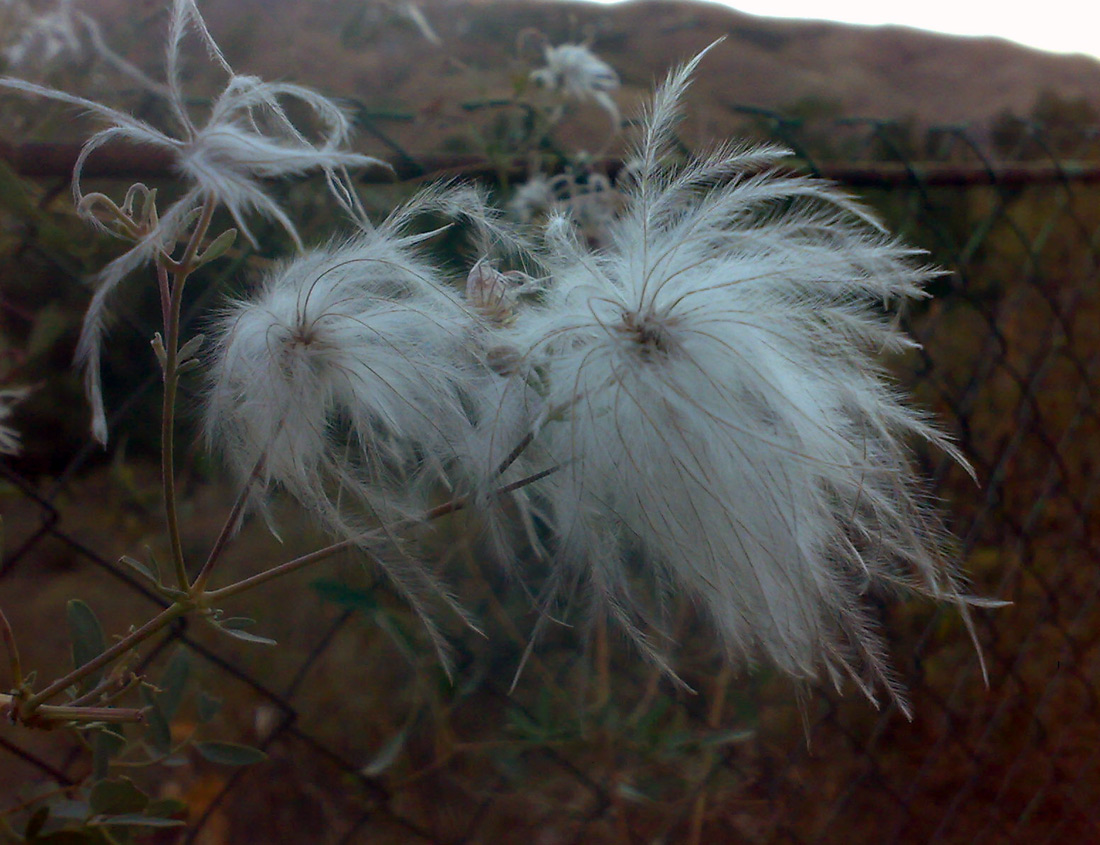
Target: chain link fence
{"points": [[367, 741]]}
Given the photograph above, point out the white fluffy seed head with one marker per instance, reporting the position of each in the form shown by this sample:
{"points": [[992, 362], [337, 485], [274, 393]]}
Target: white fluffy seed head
{"points": [[727, 423], [343, 377]]}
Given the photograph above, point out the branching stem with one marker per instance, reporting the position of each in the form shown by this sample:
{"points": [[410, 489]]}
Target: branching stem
{"points": [[139, 635], [171, 384]]}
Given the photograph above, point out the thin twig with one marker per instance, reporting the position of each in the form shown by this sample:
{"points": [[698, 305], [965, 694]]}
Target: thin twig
{"points": [[46, 713], [452, 506], [282, 569], [171, 383], [139, 635], [228, 527], [13, 651]]}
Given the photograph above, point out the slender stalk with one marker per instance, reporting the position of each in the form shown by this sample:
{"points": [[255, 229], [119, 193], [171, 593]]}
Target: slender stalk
{"points": [[328, 551], [111, 688], [171, 384], [13, 651], [45, 713], [281, 569], [513, 456], [230, 524], [30, 802], [161, 620]]}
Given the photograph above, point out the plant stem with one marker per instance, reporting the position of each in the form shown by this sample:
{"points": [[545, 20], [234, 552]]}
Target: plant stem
{"points": [[276, 571], [328, 551], [30, 802], [139, 635], [171, 383], [13, 651], [112, 688], [230, 524], [67, 713]]}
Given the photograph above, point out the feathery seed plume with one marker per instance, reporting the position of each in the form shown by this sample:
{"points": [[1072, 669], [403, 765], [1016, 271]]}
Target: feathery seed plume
{"points": [[247, 137], [729, 429]]}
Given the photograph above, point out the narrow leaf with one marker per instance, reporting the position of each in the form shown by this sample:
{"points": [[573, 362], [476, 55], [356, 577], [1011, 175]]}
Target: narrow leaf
{"points": [[191, 348], [173, 683], [218, 246], [107, 743], [134, 820], [229, 753], [139, 567], [160, 733], [87, 639], [238, 633], [249, 638]]}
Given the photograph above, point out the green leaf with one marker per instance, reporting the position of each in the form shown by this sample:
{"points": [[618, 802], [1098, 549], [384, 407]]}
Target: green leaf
{"points": [[140, 568], [218, 247], [190, 349], [173, 683], [87, 639], [208, 707], [107, 743], [160, 733], [237, 633], [134, 820], [229, 753], [117, 796]]}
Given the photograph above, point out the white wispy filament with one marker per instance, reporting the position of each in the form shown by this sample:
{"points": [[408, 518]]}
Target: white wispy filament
{"points": [[729, 435], [247, 137], [348, 380], [575, 72]]}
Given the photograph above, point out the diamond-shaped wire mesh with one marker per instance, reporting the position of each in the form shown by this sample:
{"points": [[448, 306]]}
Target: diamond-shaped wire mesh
{"points": [[368, 742]]}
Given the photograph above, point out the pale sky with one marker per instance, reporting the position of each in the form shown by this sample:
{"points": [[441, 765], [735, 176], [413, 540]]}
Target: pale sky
{"points": [[1063, 26]]}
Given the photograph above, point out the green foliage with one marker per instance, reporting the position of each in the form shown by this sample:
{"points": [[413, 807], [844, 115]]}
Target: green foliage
{"points": [[229, 753], [87, 639]]}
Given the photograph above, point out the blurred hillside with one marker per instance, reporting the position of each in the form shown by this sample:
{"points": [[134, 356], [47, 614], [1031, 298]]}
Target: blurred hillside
{"points": [[429, 96]]}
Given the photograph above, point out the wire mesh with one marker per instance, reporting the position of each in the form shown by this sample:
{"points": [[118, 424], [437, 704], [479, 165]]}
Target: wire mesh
{"points": [[368, 742]]}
